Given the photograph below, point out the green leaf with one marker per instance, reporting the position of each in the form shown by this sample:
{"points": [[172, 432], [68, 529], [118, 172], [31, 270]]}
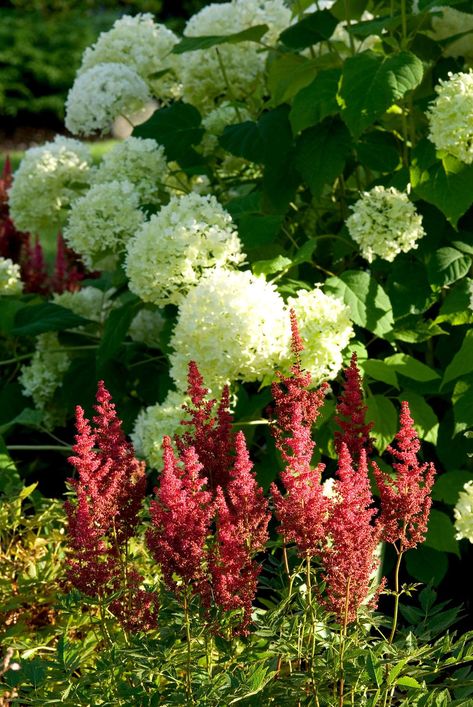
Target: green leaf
{"points": [[348, 9], [177, 127], [447, 487], [116, 328], [379, 371], [378, 150], [368, 28], [411, 368], [456, 308], [427, 565], [447, 265], [407, 681], [244, 140], [383, 414], [40, 318], [321, 153], [426, 422], [396, 669], [28, 417], [316, 102], [9, 307], [312, 29], [448, 184], [192, 44], [462, 399], [369, 304], [441, 533], [462, 362], [409, 288], [268, 267], [255, 228], [288, 74], [371, 83]]}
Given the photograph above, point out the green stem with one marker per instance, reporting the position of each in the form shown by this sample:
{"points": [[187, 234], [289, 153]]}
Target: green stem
{"points": [[404, 23], [343, 634], [190, 696], [228, 85], [397, 595], [311, 631], [15, 359], [39, 448]]}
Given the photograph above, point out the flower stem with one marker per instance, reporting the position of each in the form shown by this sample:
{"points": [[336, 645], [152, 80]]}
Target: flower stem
{"points": [[343, 635], [190, 696], [397, 595]]}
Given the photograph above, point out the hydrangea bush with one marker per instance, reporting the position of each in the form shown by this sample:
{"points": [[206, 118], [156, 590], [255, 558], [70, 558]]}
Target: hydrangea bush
{"points": [[313, 159]]}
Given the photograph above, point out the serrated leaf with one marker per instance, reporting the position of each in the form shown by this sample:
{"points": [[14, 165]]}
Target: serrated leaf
{"points": [[41, 318], [447, 183], [312, 29], [379, 371], [192, 44], [383, 414], [288, 74], [369, 304], [441, 533], [268, 267], [462, 399], [396, 669], [177, 128], [316, 101], [456, 308], [371, 83], [321, 153], [411, 368], [407, 681], [462, 362], [447, 265]]}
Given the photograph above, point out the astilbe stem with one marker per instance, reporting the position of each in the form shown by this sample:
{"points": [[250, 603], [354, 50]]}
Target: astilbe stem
{"points": [[351, 413], [109, 491]]}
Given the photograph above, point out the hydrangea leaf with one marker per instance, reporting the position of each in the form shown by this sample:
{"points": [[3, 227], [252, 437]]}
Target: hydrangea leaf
{"points": [[448, 486], [447, 265], [427, 565], [371, 83], [312, 29], [457, 307], [177, 128], [462, 362], [269, 267], [383, 414], [288, 74], [441, 533], [411, 368], [316, 101], [369, 304], [40, 318], [446, 183], [379, 371], [192, 44], [115, 329]]}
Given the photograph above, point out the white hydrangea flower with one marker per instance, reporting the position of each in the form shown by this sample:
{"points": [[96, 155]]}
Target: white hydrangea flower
{"points": [[102, 221], [43, 375], [47, 181], [146, 327], [187, 237], [88, 302], [325, 328], [451, 116], [234, 325], [101, 94], [450, 23], [216, 121], [10, 278], [141, 162], [463, 513], [204, 83], [142, 45], [156, 421], [385, 223]]}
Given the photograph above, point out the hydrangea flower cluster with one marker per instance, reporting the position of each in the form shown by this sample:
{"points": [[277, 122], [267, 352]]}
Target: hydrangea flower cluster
{"points": [[139, 43], [325, 327], [146, 327], [204, 82], [10, 277], [385, 223], [141, 162], [88, 302], [451, 116], [101, 222], [101, 94], [234, 325], [464, 513], [449, 23], [47, 182], [179, 244], [156, 422]]}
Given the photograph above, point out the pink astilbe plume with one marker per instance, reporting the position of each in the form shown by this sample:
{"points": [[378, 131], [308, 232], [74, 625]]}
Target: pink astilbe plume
{"points": [[242, 531], [209, 433], [33, 268], [181, 516], [109, 490], [349, 558], [350, 415], [69, 270], [405, 500], [302, 510]]}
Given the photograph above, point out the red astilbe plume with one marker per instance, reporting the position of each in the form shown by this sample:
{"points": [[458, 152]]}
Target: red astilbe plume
{"points": [[242, 531], [181, 515], [69, 271], [349, 560], [210, 433], [109, 489], [33, 269], [302, 511], [405, 500], [350, 415]]}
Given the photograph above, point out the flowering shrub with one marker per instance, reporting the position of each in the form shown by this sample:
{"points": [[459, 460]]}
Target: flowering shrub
{"points": [[304, 175]]}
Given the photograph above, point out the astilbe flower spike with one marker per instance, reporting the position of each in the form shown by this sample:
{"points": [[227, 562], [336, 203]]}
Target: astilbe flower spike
{"points": [[405, 500], [302, 511], [242, 531], [109, 489], [210, 434], [181, 515], [349, 558], [350, 415]]}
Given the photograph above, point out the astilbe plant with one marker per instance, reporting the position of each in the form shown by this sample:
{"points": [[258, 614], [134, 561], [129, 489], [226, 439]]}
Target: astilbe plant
{"points": [[351, 413], [109, 491]]}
